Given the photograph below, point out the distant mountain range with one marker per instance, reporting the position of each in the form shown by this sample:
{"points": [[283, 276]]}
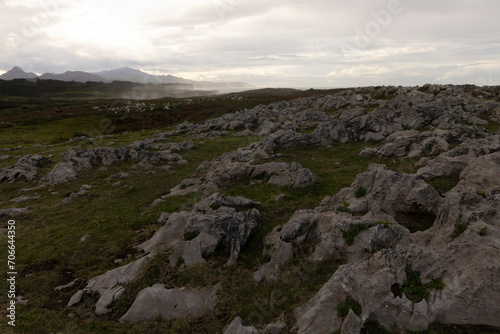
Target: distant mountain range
{"points": [[124, 74]]}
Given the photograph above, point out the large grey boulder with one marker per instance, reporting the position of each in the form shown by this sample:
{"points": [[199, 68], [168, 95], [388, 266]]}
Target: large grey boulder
{"points": [[213, 221], [386, 192], [157, 302], [412, 143], [111, 285]]}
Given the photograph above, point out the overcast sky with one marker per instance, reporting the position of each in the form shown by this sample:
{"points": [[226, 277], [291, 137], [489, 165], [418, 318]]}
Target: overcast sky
{"points": [[292, 43]]}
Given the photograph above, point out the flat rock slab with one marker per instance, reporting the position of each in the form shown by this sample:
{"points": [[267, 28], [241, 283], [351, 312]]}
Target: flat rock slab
{"points": [[158, 302]]}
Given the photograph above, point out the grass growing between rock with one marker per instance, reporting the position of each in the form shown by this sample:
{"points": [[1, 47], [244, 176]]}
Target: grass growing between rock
{"points": [[350, 304], [446, 183], [459, 229], [356, 229], [415, 290]]}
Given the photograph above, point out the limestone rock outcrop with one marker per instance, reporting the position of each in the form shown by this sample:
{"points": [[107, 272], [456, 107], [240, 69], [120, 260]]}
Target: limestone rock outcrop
{"points": [[26, 167], [111, 285], [212, 222], [79, 159], [387, 196], [211, 176], [463, 261]]}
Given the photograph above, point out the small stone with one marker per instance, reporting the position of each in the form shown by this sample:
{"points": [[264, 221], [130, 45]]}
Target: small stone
{"points": [[163, 217], [117, 184], [275, 328], [236, 327], [85, 237], [76, 298], [69, 285], [279, 198], [21, 301], [118, 261], [82, 193], [156, 202], [123, 175]]}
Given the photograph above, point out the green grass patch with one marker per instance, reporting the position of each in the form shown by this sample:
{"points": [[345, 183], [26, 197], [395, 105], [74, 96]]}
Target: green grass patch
{"points": [[415, 290], [483, 232], [459, 229], [190, 235], [482, 193], [492, 127], [445, 183], [370, 107], [350, 304], [343, 208], [360, 192]]}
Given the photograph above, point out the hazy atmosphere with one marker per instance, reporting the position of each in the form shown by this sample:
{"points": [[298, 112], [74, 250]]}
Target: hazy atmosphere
{"points": [[318, 43]]}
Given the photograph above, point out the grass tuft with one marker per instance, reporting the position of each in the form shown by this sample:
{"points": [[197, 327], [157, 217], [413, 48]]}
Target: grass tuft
{"points": [[344, 307], [360, 192], [459, 229]]}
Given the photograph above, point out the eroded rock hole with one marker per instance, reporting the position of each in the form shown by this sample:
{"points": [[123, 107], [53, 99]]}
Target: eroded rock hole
{"points": [[396, 290], [415, 221]]}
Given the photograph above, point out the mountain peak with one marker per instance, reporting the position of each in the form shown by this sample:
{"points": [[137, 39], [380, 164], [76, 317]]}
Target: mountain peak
{"points": [[17, 73]]}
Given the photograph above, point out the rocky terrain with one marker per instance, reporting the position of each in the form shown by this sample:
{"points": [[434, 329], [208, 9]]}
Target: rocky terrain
{"points": [[411, 241]]}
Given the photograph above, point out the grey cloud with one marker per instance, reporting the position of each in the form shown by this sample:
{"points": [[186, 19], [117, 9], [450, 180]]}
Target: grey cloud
{"points": [[296, 42]]}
